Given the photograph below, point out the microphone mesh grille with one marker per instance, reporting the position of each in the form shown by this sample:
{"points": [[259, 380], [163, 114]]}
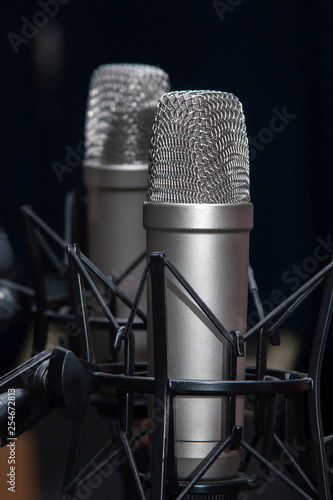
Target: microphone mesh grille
{"points": [[120, 111], [199, 149]]}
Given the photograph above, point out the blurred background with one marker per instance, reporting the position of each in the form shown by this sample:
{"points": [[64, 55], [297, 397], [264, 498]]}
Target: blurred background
{"points": [[276, 57]]}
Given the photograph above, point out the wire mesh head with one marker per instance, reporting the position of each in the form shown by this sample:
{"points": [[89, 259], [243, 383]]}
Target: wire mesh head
{"points": [[120, 111], [199, 149]]}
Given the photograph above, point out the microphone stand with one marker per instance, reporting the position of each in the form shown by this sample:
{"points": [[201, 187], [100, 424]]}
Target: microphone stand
{"points": [[286, 404]]}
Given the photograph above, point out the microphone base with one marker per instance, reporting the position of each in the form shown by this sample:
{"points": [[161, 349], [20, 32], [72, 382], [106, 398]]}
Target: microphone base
{"points": [[225, 489], [222, 496], [232, 495]]}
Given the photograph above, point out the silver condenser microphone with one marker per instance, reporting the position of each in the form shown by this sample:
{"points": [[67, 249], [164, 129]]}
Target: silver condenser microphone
{"points": [[199, 214], [120, 112]]}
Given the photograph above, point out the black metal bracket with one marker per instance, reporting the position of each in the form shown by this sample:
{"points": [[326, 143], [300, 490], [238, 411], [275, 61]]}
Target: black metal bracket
{"points": [[68, 378]]}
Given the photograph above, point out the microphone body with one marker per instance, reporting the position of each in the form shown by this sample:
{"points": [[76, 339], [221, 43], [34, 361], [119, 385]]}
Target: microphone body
{"points": [[209, 245], [116, 235], [199, 214], [120, 111]]}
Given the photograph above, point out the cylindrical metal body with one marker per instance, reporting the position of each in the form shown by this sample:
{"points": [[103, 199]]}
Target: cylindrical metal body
{"points": [[209, 245], [116, 235]]}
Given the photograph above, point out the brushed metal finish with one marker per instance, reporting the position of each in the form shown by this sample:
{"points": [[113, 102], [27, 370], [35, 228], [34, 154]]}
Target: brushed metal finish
{"points": [[113, 191], [116, 233], [209, 245], [120, 110]]}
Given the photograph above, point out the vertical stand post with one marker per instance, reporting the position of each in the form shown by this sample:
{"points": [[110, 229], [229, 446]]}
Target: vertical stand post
{"points": [[158, 486], [314, 408]]}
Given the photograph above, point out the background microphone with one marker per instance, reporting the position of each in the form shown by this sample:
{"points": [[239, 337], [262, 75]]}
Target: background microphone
{"points": [[199, 214], [120, 111]]}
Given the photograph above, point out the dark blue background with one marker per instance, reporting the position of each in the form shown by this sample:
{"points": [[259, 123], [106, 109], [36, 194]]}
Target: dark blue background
{"points": [[272, 55]]}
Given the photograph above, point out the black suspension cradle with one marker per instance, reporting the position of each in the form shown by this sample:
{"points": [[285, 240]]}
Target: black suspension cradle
{"points": [[285, 404]]}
